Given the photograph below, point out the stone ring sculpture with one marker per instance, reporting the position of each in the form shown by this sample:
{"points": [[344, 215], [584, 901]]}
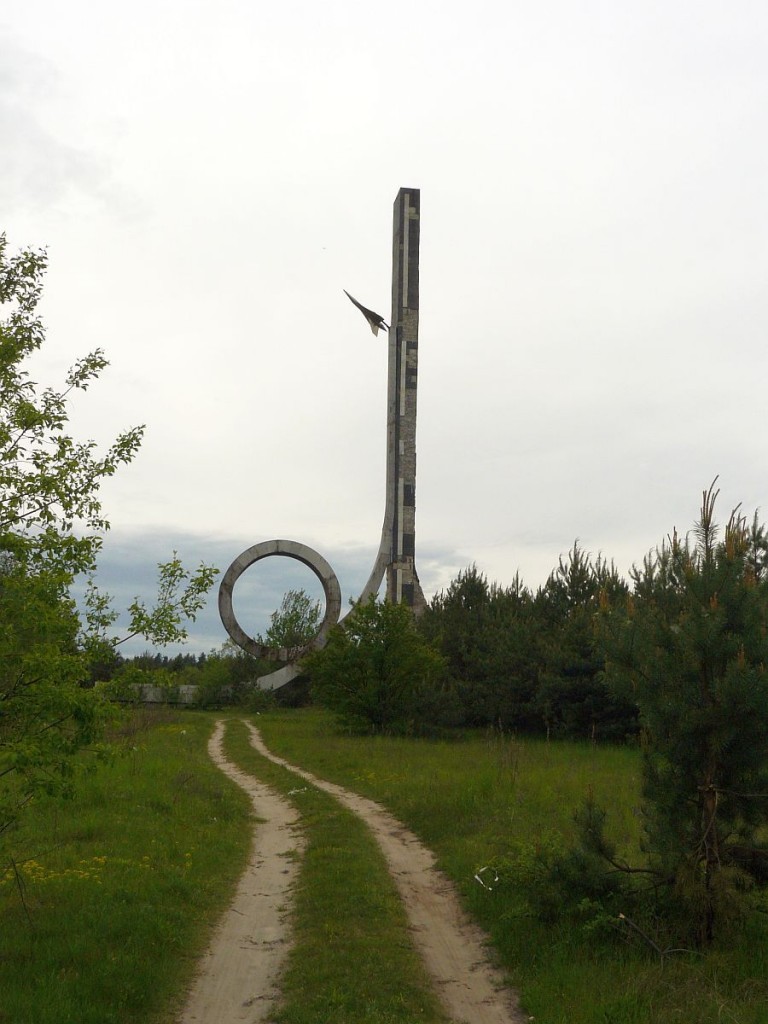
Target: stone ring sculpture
{"points": [[291, 549]]}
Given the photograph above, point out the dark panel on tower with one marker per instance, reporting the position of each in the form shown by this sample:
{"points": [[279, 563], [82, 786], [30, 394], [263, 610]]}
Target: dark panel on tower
{"points": [[414, 232]]}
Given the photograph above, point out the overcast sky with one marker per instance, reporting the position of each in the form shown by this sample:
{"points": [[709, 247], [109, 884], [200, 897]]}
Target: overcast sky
{"points": [[208, 177]]}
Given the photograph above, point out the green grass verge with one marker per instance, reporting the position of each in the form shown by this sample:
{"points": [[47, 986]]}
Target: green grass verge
{"points": [[122, 884], [352, 961], [483, 799]]}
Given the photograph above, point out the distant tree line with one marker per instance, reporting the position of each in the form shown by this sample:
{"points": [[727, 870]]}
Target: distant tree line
{"points": [[482, 655], [224, 677], [529, 661], [506, 657]]}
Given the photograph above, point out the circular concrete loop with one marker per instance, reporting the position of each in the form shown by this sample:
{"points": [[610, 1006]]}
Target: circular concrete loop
{"points": [[290, 549]]}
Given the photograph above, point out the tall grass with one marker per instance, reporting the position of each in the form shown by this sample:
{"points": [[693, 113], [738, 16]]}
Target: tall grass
{"points": [[493, 799], [114, 893]]}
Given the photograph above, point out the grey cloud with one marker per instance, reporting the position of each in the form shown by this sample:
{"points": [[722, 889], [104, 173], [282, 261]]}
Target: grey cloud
{"points": [[127, 569], [38, 168]]}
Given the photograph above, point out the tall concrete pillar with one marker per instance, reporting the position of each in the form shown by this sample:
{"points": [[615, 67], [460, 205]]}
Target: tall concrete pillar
{"points": [[402, 578]]}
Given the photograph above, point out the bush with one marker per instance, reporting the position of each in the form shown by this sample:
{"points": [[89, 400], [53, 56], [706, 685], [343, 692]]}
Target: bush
{"points": [[378, 674]]}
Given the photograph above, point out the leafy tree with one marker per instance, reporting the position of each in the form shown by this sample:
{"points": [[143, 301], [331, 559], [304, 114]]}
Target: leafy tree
{"points": [[127, 684], [48, 482], [691, 645], [44, 714], [377, 672], [51, 524], [294, 623], [180, 596]]}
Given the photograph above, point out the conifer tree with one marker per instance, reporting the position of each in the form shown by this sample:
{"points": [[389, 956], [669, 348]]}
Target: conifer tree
{"points": [[691, 646], [571, 695]]}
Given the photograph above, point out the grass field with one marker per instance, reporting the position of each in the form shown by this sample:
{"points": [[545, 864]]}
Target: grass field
{"points": [[493, 798], [121, 886]]}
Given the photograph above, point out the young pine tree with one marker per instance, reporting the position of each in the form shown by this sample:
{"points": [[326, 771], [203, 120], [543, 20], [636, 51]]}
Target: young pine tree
{"points": [[691, 646]]}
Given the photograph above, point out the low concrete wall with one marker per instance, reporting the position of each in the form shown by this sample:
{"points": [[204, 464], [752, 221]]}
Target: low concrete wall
{"points": [[167, 694]]}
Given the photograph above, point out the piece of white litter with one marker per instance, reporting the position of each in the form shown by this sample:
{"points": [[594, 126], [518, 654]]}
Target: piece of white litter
{"points": [[479, 879], [292, 791]]}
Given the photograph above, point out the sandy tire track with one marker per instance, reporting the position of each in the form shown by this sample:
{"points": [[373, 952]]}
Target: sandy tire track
{"points": [[239, 973], [454, 950]]}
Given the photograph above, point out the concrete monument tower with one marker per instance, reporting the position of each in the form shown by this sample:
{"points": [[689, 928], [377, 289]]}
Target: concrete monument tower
{"points": [[397, 549]]}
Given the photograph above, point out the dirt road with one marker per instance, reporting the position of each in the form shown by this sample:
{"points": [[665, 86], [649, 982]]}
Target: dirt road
{"points": [[453, 949], [238, 975]]}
